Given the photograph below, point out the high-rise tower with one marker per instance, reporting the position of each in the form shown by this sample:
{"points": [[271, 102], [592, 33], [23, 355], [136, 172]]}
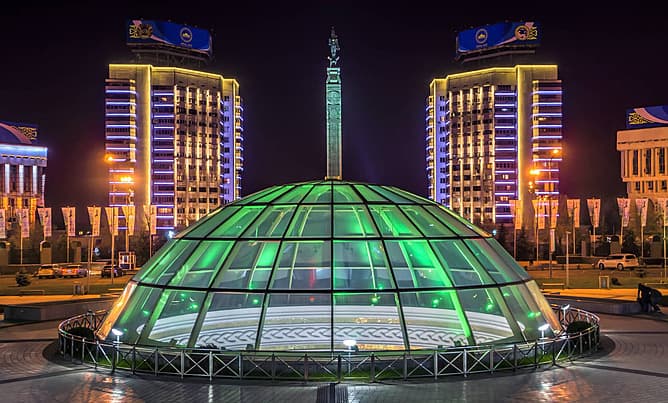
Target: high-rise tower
{"points": [[495, 134], [173, 135], [333, 90]]}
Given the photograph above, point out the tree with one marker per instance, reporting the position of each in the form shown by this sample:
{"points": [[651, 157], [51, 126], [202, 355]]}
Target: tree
{"points": [[525, 250], [629, 243], [501, 236]]}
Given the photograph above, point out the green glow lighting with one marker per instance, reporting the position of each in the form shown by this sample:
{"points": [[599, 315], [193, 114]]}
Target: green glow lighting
{"points": [[375, 299], [256, 301], [435, 302], [489, 306]]}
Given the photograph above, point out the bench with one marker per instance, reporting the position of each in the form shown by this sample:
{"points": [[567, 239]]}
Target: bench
{"points": [[545, 285], [31, 292]]}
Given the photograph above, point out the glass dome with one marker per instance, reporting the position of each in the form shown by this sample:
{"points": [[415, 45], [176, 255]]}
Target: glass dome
{"points": [[323, 265]]}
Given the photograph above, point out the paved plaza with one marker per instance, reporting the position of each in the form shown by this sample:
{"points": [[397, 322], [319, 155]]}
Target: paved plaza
{"points": [[632, 365]]}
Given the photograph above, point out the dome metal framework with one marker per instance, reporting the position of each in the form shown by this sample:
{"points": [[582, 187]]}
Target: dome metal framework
{"points": [[329, 266]]}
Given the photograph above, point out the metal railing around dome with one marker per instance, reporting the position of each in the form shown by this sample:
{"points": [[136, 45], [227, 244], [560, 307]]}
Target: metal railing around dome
{"points": [[325, 366]]}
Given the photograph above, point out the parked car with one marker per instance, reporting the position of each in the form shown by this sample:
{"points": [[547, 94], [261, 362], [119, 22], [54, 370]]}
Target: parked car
{"points": [[106, 271], [51, 270], [73, 270], [619, 261]]}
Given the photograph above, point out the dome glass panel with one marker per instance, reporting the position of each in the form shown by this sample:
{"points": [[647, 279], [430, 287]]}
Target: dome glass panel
{"points": [[312, 266]]}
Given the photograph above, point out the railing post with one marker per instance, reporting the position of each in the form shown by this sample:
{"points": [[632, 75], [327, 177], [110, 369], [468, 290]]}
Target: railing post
{"points": [[183, 358], [338, 367], [405, 367], [273, 366], [435, 364], [491, 360], [306, 366], [373, 367], [535, 354], [113, 359], [156, 361], [210, 365], [97, 352], [465, 362], [240, 366], [71, 349], [133, 365]]}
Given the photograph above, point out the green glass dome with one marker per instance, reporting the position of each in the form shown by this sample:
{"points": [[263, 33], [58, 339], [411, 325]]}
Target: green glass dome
{"points": [[310, 265]]}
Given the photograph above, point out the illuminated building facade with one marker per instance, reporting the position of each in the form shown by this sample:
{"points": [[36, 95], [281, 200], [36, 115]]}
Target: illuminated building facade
{"points": [[22, 167], [643, 147], [485, 131], [174, 139]]}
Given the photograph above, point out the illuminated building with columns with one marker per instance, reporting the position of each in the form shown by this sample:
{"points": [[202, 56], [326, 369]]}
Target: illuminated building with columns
{"points": [[642, 146], [22, 167], [488, 127], [178, 135], [174, 135], [486, 130]]}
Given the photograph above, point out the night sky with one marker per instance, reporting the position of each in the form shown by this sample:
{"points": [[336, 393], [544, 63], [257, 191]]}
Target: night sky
{"points": [[55, 60]]}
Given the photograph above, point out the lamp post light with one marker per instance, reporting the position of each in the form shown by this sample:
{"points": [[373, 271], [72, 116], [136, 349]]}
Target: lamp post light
{"points": [[118, 335], [542, 329], [564, 309], [350, 343]]}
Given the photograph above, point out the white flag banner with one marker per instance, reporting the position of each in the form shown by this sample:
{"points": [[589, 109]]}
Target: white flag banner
{"points": [[624, 205], [69, 216], [594, 206], [554, 213], [153, 217], [539, 207], [24, 219], [641, 206], [573, 206], [3, 224], [45, 219], [663, 209], [129, 213], [112, 219], [94, 216], [516, 212]]}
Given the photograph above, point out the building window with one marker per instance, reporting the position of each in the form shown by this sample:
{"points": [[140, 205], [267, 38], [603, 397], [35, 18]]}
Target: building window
{"points": [[634, 165], [648, 161], [637, 186], [662, 160]]}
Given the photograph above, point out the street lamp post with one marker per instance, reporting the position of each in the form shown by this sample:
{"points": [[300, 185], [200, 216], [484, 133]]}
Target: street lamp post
{"points": [[532, 190], [550, 188], [567, 263], [128, 180]]}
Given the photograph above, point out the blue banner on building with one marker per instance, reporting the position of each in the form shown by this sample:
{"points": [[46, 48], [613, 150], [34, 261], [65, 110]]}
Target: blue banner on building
{"points": [[649, 116], [168, 33], [501, 34]]}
